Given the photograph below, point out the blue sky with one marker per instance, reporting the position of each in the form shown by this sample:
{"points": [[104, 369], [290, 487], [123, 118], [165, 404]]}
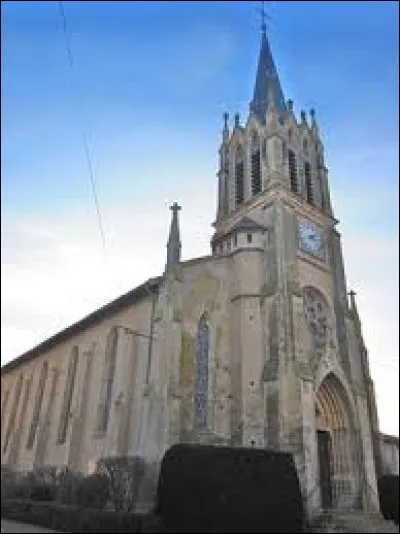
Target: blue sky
{"points": [[149, 85]]}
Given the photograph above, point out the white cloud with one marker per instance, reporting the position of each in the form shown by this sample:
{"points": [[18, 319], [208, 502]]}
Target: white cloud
{"points": [[55, 271]]}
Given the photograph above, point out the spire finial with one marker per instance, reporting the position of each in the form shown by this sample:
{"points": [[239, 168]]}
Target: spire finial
{"points": [[263, 19], [352, 295], [226, 118], [174, 242], [175, 208]]}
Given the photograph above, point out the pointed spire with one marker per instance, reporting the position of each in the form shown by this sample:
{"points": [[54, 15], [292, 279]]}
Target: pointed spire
{"points": [[353, 306], [225, 131], [314, 125], [352, 295], [267, 80], [174, 241]]}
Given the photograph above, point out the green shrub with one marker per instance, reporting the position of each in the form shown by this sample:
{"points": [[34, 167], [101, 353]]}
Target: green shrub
{"points": [[125, 474], [68, 482], [388, 487], [225, 489], [93, 491], [67, 518], [13, 485], [46, 475], [42, 492]]}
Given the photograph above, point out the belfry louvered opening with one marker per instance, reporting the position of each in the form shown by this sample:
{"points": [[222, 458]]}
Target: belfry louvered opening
{"points": [[256, 184], [309, 185], [239, 177], [294, 185]]}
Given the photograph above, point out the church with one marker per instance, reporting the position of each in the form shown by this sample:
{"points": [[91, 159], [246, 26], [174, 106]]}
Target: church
{"points": [[258, 344]]}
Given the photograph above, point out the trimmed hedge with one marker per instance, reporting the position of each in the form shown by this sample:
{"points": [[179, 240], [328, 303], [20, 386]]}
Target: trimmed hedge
{"points": [[67, 518], [222, 489], [93, 491], [42, 492], [388, 488]]}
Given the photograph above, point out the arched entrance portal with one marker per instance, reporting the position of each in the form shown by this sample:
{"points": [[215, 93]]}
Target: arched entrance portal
{"points": [[337, 445]]}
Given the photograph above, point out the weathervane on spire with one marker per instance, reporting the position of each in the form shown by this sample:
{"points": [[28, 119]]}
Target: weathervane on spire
{"points": [[264, 17]]}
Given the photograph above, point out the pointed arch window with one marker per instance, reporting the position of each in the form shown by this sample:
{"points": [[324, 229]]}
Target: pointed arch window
{"points": [[294, 186], [309, 185], [38, 406], [255, 166], [239, 176], [13, 413], [103, 410], [4, 404], [202, 373], [68, 393]]}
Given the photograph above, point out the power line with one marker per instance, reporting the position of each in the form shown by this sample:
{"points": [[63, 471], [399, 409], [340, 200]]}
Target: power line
{"points": [[83, 132]]}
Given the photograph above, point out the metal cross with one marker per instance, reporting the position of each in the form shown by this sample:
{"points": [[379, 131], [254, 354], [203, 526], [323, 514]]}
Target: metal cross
{"points": [[175, 208], [264, 17]]}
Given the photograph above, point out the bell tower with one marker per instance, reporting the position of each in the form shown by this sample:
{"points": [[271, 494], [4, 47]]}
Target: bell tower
{"points": [[297, 332]]}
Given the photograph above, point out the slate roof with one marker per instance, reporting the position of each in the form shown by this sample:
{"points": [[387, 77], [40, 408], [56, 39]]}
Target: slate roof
{"points": [[245, 224], [267, 78], [94, 318], [124, 301]]}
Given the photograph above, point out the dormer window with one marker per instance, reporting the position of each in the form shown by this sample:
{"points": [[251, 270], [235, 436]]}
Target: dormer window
{"points": [[305, 145], [293, 172], [239, 177], [290, 134], [255, 166]]}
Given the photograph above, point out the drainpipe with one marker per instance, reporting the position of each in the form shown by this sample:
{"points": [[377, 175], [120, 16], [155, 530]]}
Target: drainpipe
{"points": [[152, 314]]}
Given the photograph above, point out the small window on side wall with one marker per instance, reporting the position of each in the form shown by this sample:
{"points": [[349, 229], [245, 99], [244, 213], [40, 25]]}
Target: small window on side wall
{"points": [[235, 240], [249, 238]]}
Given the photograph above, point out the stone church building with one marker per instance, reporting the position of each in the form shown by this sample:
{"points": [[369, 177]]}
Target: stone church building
{"points": [[258, 344]]}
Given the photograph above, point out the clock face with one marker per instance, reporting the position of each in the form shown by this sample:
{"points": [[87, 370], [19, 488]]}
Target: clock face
{"points": [[311, 238]]}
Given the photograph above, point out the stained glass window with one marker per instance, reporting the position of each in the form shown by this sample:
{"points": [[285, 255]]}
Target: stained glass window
{"points": [[202, 379], [68, 393], [104, 406], [38, 406]]}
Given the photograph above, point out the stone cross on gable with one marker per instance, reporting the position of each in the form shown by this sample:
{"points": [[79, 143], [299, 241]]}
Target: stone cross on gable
{"points": [[174, 241], [175, 208]]}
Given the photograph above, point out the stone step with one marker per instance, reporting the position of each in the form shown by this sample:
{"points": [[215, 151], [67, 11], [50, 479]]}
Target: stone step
{"points": [[353, 521]]}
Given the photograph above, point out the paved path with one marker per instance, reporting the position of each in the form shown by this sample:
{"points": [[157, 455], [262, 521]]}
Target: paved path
{"points": [[13, 526]]}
